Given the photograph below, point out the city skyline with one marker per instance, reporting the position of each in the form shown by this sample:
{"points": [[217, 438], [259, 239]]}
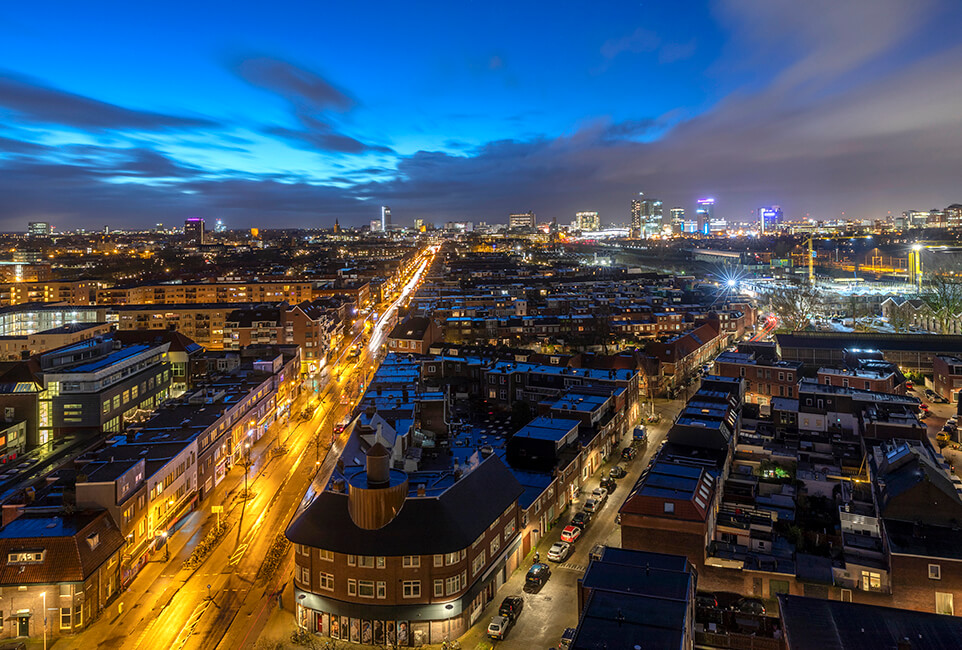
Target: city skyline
{"points": [[803, 106]]}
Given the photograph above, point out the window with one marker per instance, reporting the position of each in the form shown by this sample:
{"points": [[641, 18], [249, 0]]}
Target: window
{"points": [[452, 585], [327, 556], [411, 588], [943, 604], [327, 581], [846, 595], [365, 561], [935, 572], [495, 546], [351, 587], [64, 618], [381, 589], [478, 563], [380, 561], [116, 401], [509, 529], [304, 575], [669, 507], [351, 560], [365, 588], [106, 406], [871, 580], [438, 587], [411, 561], [438, 560], [452, 558]]}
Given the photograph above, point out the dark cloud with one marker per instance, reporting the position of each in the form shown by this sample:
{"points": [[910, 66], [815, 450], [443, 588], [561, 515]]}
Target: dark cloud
{"points": [[305, 89], [320, 136], [29, 100]]}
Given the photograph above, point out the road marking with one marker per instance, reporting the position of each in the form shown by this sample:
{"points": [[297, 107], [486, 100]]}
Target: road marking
{"points": [[574, 567], [188, 628], [238, 554]]}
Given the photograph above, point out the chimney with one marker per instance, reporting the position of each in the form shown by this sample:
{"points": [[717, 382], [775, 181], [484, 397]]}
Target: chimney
{"points": [[421, 490]]}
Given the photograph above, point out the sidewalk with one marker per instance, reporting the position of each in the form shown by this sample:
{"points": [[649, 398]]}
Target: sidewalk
{"points": [[159, 579]]}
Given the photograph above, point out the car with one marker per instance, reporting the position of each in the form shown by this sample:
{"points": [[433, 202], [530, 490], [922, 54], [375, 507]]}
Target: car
{"points": [[511, 607], [706, 600], [570, 534], [559, 551], [499, 626], [537, 575], [609, 484], [943, 437], [592, 505], [581, 519], [909, 385], [749, 606], [929, 393], [617, 472], [596, 552], [600, 495], [628, 453]]}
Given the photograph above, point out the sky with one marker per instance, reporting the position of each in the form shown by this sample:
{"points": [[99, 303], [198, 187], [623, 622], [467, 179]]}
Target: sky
{"points": [[292, 114]]}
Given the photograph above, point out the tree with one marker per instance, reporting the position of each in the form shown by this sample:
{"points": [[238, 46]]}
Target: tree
{"points": [[796, 305], [944, 298], [899, 316]]}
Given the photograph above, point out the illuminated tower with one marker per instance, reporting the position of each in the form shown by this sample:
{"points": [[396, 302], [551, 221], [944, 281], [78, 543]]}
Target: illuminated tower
{"points": [[706, 213], [194, 230], [385, 218]]}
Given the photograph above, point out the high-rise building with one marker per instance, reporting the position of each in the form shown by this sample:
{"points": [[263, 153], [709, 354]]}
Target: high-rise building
{"points": [[419, 225], [587, 221], [194, 230], [522, 220], [769, 218], [385, 218], [375, 225], [677, 220], [39, 229], [706, 213], [647, 216], [219, 226]]}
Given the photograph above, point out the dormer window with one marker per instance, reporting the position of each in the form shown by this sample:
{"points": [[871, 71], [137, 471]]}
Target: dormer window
{"points": [[93, 541], [26, 557]]}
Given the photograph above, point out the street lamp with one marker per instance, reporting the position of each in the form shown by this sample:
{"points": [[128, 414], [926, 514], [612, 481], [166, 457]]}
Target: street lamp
{"points": [[44, 594], [166, 548], [247, 467]]}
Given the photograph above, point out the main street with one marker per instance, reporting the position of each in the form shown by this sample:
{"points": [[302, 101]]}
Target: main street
{"points": [[225, 601]]}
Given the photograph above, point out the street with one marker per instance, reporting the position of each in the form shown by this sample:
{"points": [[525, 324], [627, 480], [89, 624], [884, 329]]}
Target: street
{"points": [[226, 600]]}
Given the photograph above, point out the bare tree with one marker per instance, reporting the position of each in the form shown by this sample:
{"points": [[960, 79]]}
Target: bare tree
{"points": [[796, 305], [944, 298], [900, 316]]}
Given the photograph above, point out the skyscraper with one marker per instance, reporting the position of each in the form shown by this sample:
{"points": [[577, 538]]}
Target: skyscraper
{"points": [[706, 213], [768, 218], [194, 230], [587, 221], [647, 216], [636, 222], [219, 226], [522, 220], [385, 218], [677, 220]]}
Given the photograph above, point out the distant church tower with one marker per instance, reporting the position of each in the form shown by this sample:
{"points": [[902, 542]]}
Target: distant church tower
{"points": [[337, 226]]}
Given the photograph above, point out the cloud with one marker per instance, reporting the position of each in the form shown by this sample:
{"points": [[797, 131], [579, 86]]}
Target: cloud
{"points": [[304, 89], [640, 40], [29, 100], [312, 100]]}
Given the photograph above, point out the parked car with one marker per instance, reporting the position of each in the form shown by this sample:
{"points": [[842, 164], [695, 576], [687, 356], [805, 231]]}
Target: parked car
{"points": [[559, 551], [592, 505], [537, 575], [609, 484], [581, 519], [596, 551], [567, 638], [570, 534], [929, 393], [511, 607], [600, 495], [705, 599], [617, 472], [498, 627], [628, 453], [749, 606]]}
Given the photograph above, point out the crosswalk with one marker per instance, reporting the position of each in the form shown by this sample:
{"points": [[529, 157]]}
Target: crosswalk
{"points": [[571, 566]]}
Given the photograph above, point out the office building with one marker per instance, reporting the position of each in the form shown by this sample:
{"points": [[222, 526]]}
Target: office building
{"points": [[194, 230], [646, 216], [522, 220], [587, 221], [219, 226], [769, 218], [706, 214], [385, 218], [39, 229], [677, 220]]}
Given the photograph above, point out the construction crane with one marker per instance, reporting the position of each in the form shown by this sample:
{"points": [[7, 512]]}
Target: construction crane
{"points": [[811, 259]]}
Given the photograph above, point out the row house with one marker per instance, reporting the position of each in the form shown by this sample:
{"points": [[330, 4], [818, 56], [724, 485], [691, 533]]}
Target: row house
{"points": [[207, 293]]}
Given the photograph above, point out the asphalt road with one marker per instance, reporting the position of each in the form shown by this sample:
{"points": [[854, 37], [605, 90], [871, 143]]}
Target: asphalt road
{"points": [[226, 600]]}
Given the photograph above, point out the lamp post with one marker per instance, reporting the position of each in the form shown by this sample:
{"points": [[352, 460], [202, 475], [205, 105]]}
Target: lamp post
{"points": [[44, 594], [166, 548], [247, 467]]}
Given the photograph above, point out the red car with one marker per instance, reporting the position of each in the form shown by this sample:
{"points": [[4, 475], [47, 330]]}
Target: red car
{"points": [[570, 534]]}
